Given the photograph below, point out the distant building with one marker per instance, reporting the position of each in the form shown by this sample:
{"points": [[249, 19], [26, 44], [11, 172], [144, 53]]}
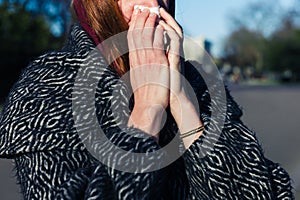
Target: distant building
{"points": [[195, 48], [207, 46]]}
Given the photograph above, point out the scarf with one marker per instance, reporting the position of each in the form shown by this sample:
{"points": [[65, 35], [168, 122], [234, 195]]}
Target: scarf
{"points": [[83, 20]]}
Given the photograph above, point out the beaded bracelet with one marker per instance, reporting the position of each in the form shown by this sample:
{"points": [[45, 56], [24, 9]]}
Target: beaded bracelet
{"points": [[189, 133]]}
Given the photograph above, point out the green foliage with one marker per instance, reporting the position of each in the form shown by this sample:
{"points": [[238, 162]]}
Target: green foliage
{"points": [[24, 35], [244, 48], [284, 49], [265, 39]]}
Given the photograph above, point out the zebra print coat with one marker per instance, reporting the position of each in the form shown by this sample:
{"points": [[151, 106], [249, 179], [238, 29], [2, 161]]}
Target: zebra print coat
{"points": [[51, 162]]}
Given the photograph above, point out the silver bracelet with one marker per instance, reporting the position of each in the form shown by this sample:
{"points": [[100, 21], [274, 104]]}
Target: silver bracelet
{"points": [[191, 132]]}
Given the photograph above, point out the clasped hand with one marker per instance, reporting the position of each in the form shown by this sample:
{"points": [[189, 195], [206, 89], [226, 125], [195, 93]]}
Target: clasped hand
{"points": [[154, 70]]}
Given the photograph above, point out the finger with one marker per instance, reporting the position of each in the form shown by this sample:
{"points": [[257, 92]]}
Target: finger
{"points": [[151, 20], [135, 34], [174, 39], [148, 32], [158, 42], [138, 29], [171, 21], [130, 35], [133, 19], [141, 19], [174, 52]]}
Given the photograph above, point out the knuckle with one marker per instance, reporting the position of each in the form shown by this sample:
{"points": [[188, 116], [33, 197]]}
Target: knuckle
{"points": [[136, 33], [147, 34]]}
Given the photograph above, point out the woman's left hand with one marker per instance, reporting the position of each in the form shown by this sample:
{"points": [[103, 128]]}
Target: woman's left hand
{"points": [[182, 109], [174, 54]]}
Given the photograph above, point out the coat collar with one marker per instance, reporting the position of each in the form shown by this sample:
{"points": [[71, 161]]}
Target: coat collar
{"points": [[78, 39]]}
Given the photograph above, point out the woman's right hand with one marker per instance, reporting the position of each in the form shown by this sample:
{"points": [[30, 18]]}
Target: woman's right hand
{"points": [[149, 72]]}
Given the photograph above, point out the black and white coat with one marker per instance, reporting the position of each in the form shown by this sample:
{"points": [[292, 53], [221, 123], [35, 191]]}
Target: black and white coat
{"points": [[51, 162]]}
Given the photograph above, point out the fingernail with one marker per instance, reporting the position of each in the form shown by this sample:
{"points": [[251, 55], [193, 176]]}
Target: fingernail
{"points": [[153, 14], [145, 10], [136, 11], [161, 22]]}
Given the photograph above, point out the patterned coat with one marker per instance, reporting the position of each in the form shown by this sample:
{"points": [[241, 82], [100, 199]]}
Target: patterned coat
{"points": [[51, 162]]}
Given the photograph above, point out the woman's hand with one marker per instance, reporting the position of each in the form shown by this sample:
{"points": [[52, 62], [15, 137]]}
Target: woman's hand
{"points": [[149, 72], [155, 75], [182, 109], [174, 54]]}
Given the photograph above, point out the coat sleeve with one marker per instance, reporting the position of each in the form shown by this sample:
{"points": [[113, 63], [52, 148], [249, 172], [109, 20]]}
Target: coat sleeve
{"points": [[40, 132], [228, 162], [131, 159]]}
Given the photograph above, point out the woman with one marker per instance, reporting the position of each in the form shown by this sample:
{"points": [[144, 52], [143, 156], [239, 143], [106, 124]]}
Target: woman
{"points": [[47, 111]]}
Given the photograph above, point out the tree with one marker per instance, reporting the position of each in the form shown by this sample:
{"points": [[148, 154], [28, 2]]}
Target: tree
{"points": [[244, 48], [261, 17], [56, 12], [284, 49], [265, 35], [24, 34]]}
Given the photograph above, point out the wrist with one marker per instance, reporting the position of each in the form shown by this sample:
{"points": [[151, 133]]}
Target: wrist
{"points": [[187, 118], [179, 103], [147, 118]]}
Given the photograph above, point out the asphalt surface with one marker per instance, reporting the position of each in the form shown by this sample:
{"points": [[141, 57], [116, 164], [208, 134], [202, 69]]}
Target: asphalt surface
{"points": [[273, 112]]}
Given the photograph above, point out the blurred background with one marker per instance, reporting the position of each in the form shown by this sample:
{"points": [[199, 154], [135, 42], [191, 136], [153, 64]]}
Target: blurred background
{"points": [[254, 43]]}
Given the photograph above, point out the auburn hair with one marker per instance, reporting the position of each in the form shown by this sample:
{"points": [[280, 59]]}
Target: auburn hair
{"points": [[106, 18]]}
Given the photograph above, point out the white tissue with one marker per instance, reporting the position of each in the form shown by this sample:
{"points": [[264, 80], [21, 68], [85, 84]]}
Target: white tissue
{"points": [[154, 10]]}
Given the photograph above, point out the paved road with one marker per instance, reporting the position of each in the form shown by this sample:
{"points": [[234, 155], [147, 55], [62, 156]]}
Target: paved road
{"points": [[273, 112]]}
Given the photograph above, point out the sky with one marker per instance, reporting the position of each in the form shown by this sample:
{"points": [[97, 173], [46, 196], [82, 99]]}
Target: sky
{"points": [[210, 18]]}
